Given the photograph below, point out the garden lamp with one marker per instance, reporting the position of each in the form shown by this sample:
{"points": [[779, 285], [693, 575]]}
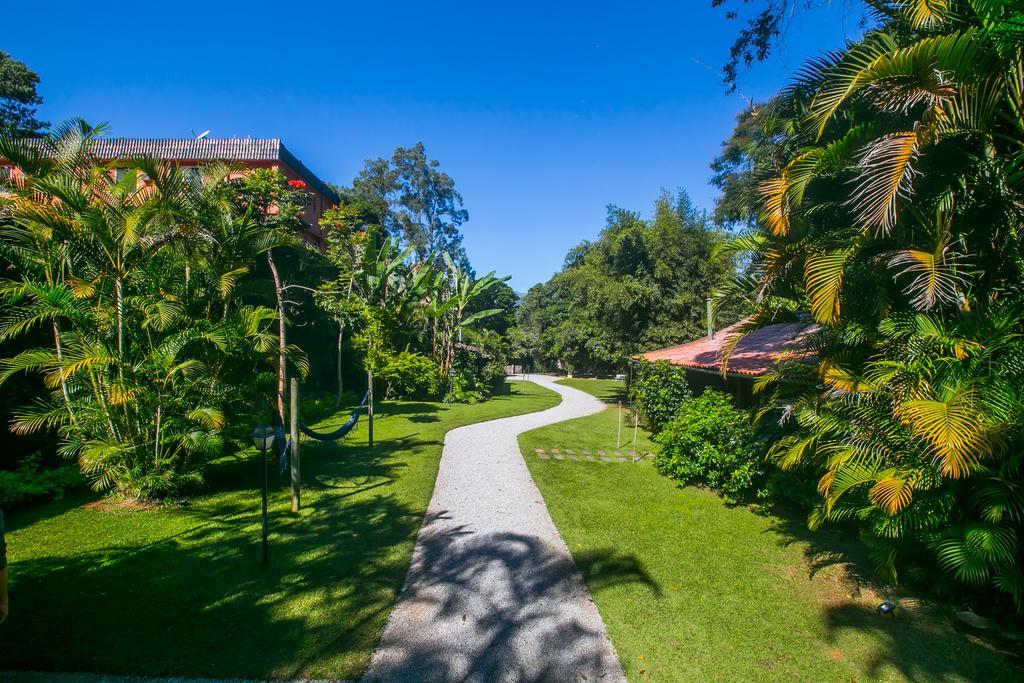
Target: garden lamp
{"points": [[263, 439], [886, 609]]}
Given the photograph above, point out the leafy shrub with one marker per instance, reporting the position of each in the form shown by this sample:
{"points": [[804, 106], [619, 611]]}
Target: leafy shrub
{"points": [[408, 374], [658, 391], [31, 482], [710, 443], [464, 387]]}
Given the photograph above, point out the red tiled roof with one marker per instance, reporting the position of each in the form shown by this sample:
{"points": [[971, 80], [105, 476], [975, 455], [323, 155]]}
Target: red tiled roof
{"points": [[756, 353]]}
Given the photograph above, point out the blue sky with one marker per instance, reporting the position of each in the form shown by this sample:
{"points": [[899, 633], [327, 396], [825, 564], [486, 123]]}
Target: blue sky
{"points": [[543, 113]]}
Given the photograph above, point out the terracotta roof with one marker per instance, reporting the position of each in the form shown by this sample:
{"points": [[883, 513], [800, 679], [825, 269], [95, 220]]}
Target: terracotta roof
{"points": [[756, 353]]}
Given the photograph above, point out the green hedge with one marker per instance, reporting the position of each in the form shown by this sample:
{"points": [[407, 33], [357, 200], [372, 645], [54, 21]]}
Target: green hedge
{"points": [[712, 444], [657, 391], [30, 482]]}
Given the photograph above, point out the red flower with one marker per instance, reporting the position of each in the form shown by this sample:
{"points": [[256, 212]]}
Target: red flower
{"points": [[298, 184]]}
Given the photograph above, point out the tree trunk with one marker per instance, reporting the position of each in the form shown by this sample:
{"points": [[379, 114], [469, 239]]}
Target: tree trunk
{"points": [[63, 382], [120, 320], [341, 386], [281, 340]]}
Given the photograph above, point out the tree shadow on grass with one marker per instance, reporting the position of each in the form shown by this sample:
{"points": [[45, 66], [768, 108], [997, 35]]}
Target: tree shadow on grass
{"points": [[922, 647], [491, 606], [919, 642], [825, 548], [199, 603]]}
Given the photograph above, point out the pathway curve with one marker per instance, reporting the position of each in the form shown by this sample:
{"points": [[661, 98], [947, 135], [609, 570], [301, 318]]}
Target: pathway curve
{"points": [[492, 593]]}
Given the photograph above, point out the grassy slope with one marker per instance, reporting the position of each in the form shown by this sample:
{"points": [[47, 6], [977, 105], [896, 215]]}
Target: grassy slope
{"points": [[693, 590], [182, 591]]}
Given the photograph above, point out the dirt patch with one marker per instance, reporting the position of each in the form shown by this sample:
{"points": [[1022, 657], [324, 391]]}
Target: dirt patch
{"points": [[122, 504]]}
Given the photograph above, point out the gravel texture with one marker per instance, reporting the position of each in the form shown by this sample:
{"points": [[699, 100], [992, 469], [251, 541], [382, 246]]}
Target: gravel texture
{"points": [[492, 593]]}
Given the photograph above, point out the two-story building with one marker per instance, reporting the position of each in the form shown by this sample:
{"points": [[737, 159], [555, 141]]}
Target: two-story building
{"points": [[248, 153]]}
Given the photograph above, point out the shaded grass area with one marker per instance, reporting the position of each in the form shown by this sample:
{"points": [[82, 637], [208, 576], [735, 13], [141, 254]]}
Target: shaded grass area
{"points": [[181, 591], [734, 595]]}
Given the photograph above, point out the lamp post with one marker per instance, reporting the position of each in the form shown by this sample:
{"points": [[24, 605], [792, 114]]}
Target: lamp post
{"points": [[263, 439]]}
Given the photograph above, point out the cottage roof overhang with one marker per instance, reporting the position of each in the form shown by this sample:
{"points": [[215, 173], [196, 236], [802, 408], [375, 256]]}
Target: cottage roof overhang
{"points": [[755, 354]]}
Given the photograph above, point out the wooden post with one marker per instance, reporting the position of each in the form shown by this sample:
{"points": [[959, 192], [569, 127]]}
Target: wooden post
{"points": [[369, 403], [618, 437], [711, 322], [296, 474], [636, 422]]}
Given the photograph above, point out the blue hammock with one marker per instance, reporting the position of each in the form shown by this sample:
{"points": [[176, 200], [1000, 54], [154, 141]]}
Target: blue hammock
{"points": [[340, 431]]}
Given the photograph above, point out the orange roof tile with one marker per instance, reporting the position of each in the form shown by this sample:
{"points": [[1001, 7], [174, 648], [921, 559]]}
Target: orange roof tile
{"points": [[756, 353]]}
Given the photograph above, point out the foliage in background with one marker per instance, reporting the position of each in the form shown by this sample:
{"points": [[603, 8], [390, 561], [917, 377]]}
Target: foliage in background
{"points": [[416, 202], [641, 285], [409, 375], [657, 392], [18, 99], [30, 482], [766, 23], [712, 444], [892, 210]]}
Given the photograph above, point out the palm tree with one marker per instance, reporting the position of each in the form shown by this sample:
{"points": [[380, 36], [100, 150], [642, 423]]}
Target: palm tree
{"points": [[126, 266], [893, 213]]}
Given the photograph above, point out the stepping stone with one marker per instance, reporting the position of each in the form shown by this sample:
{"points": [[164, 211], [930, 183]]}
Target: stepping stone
{"points": [[555, 450], [629, 453], [600, 452], [585, 452], [559, 457], [606, 459], [570, 451], [623, 459], [590, 458], [538, 451], [543, 456], [574, 457], [618, 452]]}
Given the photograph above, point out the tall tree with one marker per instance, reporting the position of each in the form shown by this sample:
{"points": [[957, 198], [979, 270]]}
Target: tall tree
{"points": [[18, 99], [640, 285], [424, 210]]}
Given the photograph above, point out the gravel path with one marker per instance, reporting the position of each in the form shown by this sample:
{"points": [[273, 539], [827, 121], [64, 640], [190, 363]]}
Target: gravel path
{"points": [[492, 593]]}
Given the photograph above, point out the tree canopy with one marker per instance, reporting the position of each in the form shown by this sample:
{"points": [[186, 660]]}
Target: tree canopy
{"points": [[18, 99], [642, 284], [415, 202]]}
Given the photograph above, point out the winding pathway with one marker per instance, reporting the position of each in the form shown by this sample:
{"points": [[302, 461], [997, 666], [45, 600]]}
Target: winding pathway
{"points": [[492, 593]]}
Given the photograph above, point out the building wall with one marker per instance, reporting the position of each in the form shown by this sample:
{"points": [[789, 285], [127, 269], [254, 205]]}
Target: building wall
{"points": [[739, 387], [318, 203]]}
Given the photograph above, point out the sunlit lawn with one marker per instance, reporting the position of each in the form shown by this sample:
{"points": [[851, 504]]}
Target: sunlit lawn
{"points": [[719, 593], [181, 591]]}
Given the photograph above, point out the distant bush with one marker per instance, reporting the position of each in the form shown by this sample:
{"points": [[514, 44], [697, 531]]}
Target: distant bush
{"points": [[30, 482], [657, 391], [408, 374], [712, 444], [465, 387]]}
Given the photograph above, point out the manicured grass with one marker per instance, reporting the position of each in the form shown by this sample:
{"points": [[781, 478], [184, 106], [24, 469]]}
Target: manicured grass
{"points": [[608, 390], [180, 591], [690, 589]]}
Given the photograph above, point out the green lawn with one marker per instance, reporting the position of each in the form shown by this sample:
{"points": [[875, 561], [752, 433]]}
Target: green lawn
{"points": [[181, 591], [608, 390], [693, 590]]}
